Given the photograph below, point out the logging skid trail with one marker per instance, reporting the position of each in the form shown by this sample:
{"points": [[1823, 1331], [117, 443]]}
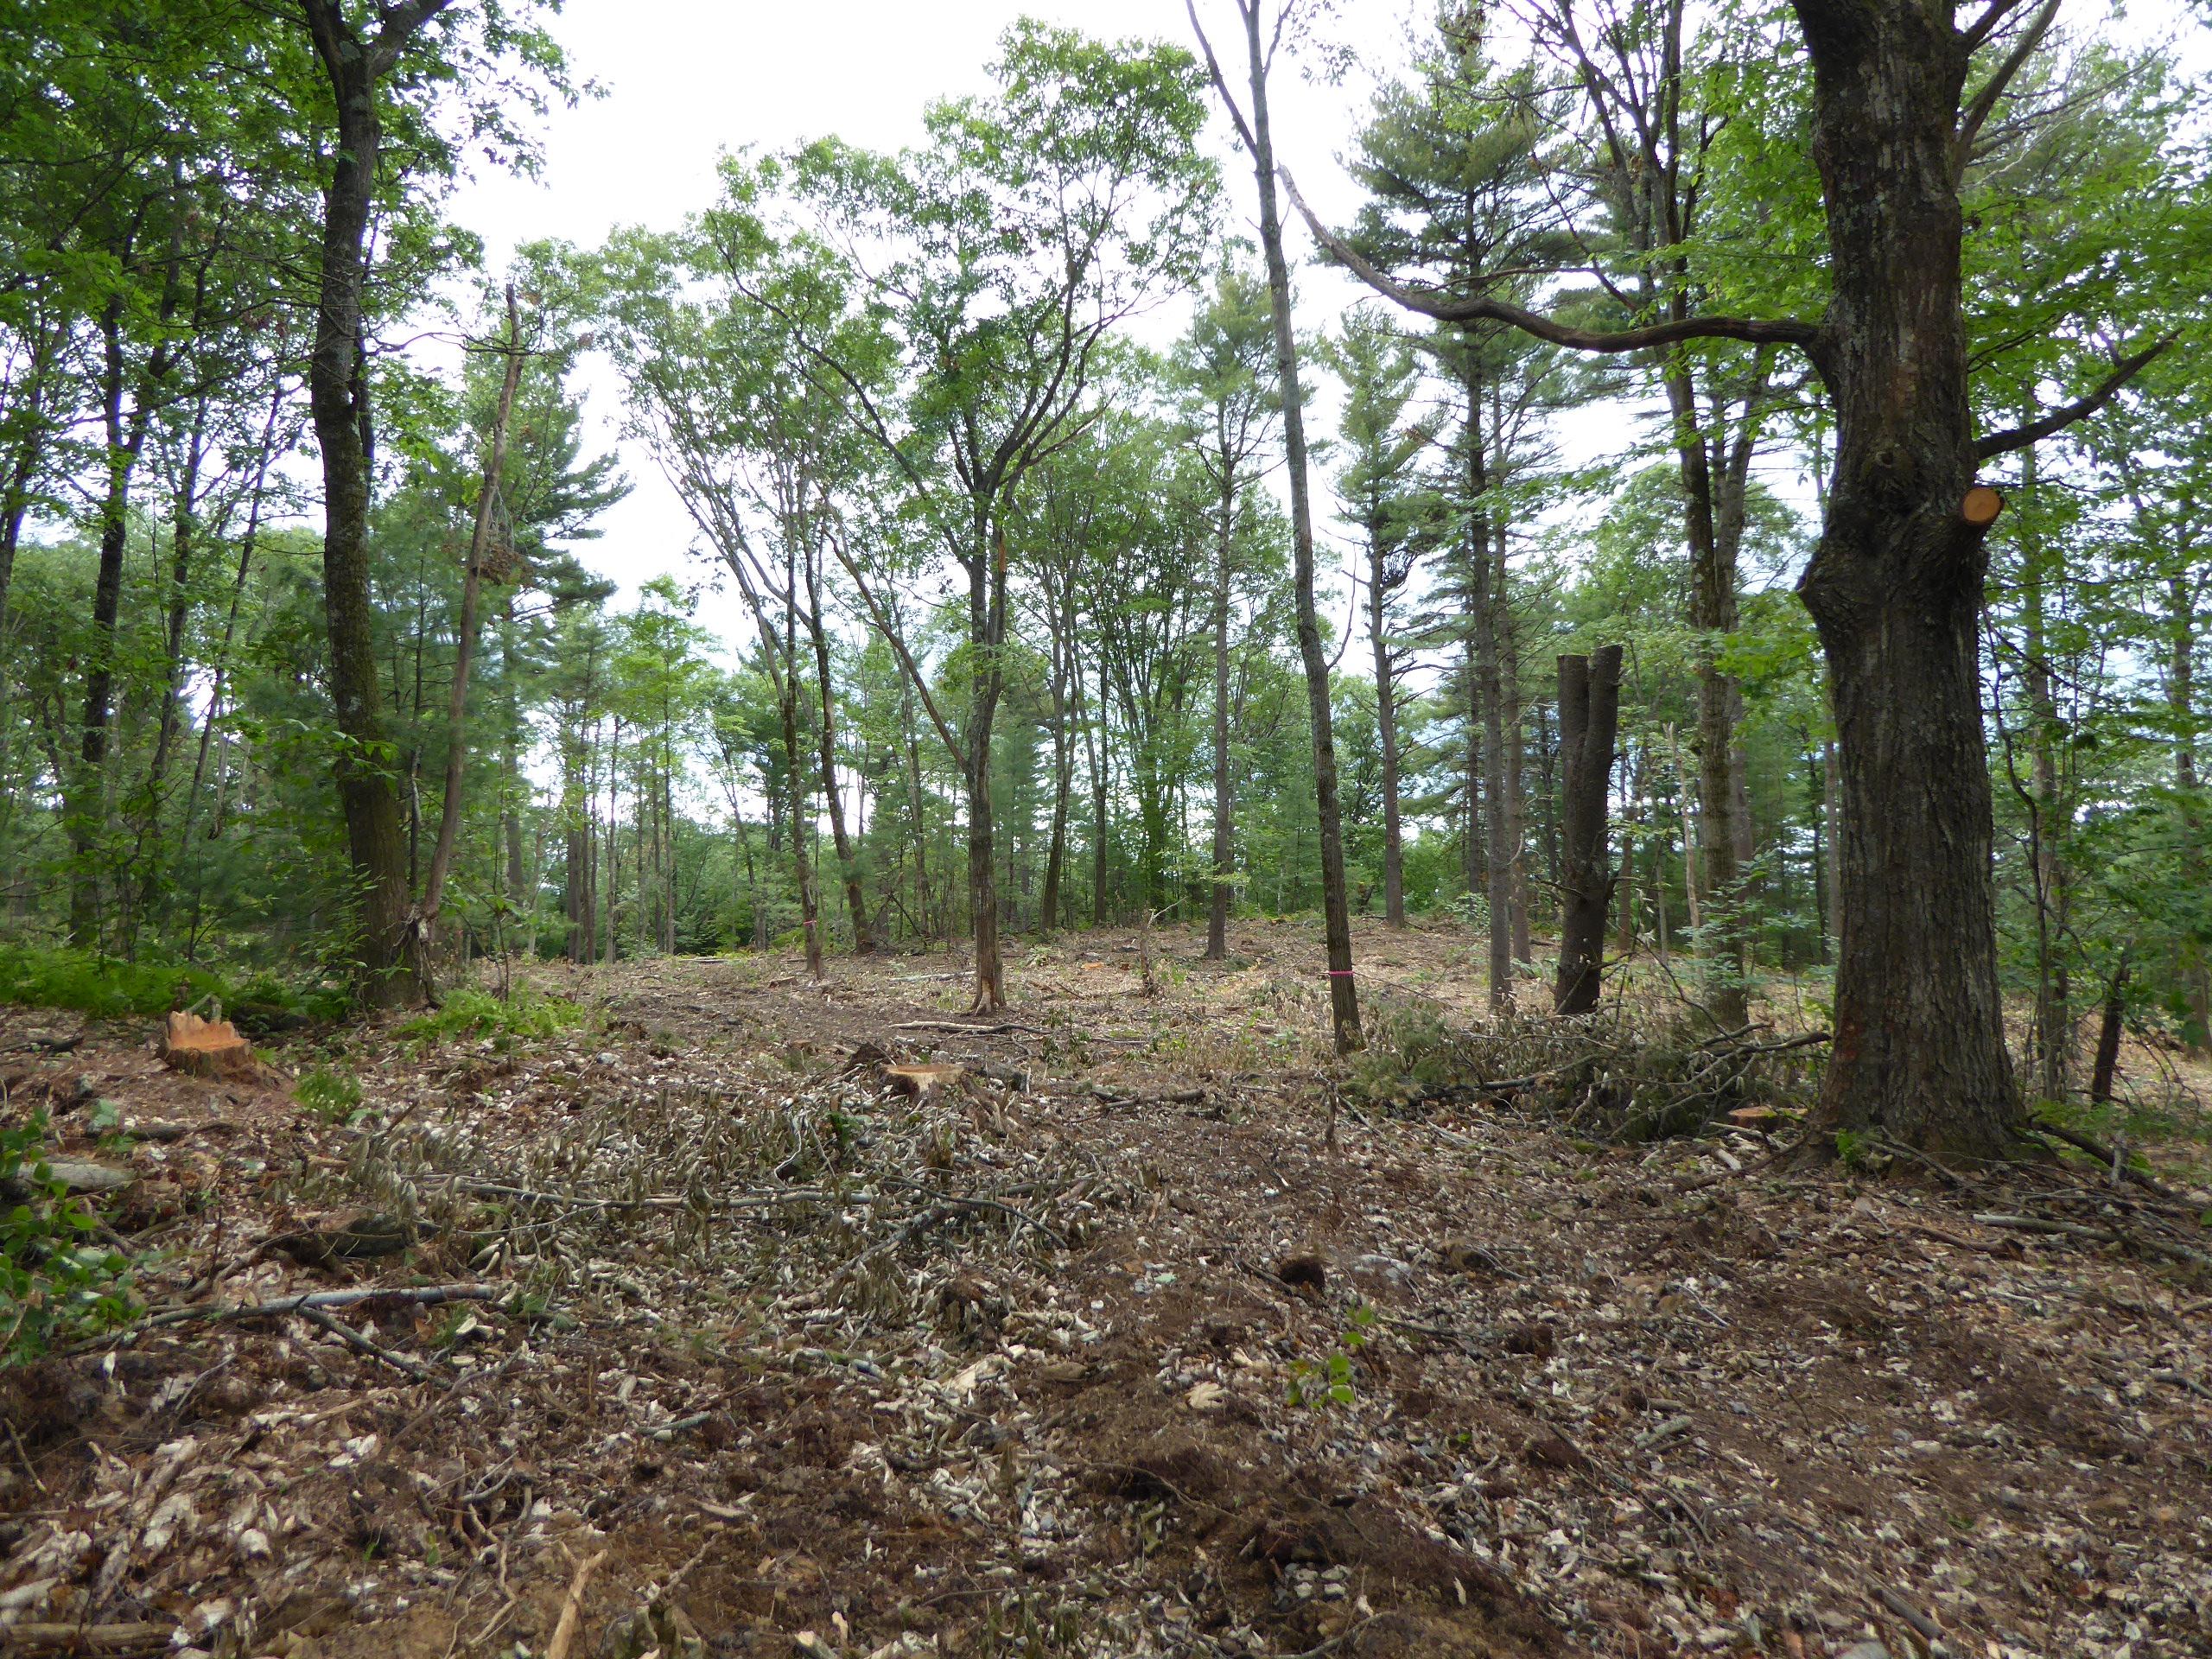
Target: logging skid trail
{"points": [[738, 1315]]}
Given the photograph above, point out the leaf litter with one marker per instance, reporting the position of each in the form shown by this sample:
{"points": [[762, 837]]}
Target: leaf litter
{"points": [[1119, 1334]]}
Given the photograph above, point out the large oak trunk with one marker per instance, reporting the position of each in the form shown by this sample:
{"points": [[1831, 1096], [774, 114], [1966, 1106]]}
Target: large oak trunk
{"points": [[1895, 588]]}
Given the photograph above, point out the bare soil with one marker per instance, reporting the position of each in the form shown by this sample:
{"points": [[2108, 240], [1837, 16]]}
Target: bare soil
{"points": [[1149, 1330]]}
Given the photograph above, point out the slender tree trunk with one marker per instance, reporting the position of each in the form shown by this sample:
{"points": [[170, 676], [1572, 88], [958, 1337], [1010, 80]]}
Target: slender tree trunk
{"points": [[2181, 700], [1712, 614], [986, 628], [1516, 806], [1386, 723], [610, 904], [1224, 796], [1589, 704], [2109, 1029], [1894, 587], [2054, 1028], [424, 921], [1095, 743], [848, 864], [1344, 994], [338, 400], [86, 805]]}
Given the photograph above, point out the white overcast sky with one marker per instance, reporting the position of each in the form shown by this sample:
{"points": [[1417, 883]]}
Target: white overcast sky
{"points": [[685, 80]]}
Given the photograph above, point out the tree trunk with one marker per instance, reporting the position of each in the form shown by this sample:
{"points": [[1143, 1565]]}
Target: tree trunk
{"points": [[2054, 1027], [1895, 588], [986, 576], [1832, 854], [2108, 1035], [1497, 854], [1589, 706], [1386, 723], [1712, 614], [1096, 744], [338, 397], [1224, 796], [424, 921], [1344, 995], [2181, 700], [86, 807], [855, 901], [1516, 817]]}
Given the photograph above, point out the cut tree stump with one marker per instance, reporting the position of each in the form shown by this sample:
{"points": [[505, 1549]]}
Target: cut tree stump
{"points": [[922, 1082], [205, 1048]]}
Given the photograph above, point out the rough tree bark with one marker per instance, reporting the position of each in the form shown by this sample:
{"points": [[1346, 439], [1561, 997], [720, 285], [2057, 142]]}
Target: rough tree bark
{"points": [[338, 398], [1895, 588], [1589, 710]]}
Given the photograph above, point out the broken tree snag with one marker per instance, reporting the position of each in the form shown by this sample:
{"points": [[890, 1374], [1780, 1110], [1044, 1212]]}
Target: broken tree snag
{"points": [[1589, 714], [205, 1048], [1980, 507]]}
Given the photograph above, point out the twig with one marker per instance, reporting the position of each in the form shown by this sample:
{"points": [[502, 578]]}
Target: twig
{"points": [[1929, 1629], [963, 1202], [2180, 1379], [2097, 1235], [1337, 1640], [25, 1456], [2109, 1156], [419, 1295], [353, 1338], [962, 1025], [658, 1201], [565, 1632], [136, 1634]]}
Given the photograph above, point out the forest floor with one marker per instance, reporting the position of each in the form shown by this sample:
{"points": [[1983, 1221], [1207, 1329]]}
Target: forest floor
{"points": [[1135, 1335]]}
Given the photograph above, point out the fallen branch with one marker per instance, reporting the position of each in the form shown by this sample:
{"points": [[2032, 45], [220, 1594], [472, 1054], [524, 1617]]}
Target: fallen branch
{"points": [[136, 1634], [963, 1202], [565, 1632], [661, 1201], [1929, 1630], [2097, 1235], [964, 1026], [2107, 1156], [355, 1339], [416, 1295]]}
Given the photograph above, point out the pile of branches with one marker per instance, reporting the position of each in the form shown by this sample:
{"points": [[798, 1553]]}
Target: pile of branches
{"points": [[1602, 1075], [838, 1181]]}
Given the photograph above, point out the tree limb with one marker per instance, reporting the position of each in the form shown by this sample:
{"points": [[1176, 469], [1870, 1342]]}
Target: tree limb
{"points": [[1985, 100], [2019, 437], [1784, 331]]}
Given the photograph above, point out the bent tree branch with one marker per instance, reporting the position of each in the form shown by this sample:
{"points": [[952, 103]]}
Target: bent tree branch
{"points": [[1481, 307]]}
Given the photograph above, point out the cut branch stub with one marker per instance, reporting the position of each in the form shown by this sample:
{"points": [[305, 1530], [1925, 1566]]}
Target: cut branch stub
{"points": [[1980, 507]]}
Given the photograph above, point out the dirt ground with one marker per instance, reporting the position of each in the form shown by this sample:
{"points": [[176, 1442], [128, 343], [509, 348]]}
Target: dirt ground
{"points": [[1137, 1330]]}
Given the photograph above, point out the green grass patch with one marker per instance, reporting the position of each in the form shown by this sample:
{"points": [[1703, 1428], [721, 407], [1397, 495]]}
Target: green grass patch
{"points": [[478, 1013], [55, 977]]}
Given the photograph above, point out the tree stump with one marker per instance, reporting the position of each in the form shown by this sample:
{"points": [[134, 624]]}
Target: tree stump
{"points": [[205, 1048]]}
